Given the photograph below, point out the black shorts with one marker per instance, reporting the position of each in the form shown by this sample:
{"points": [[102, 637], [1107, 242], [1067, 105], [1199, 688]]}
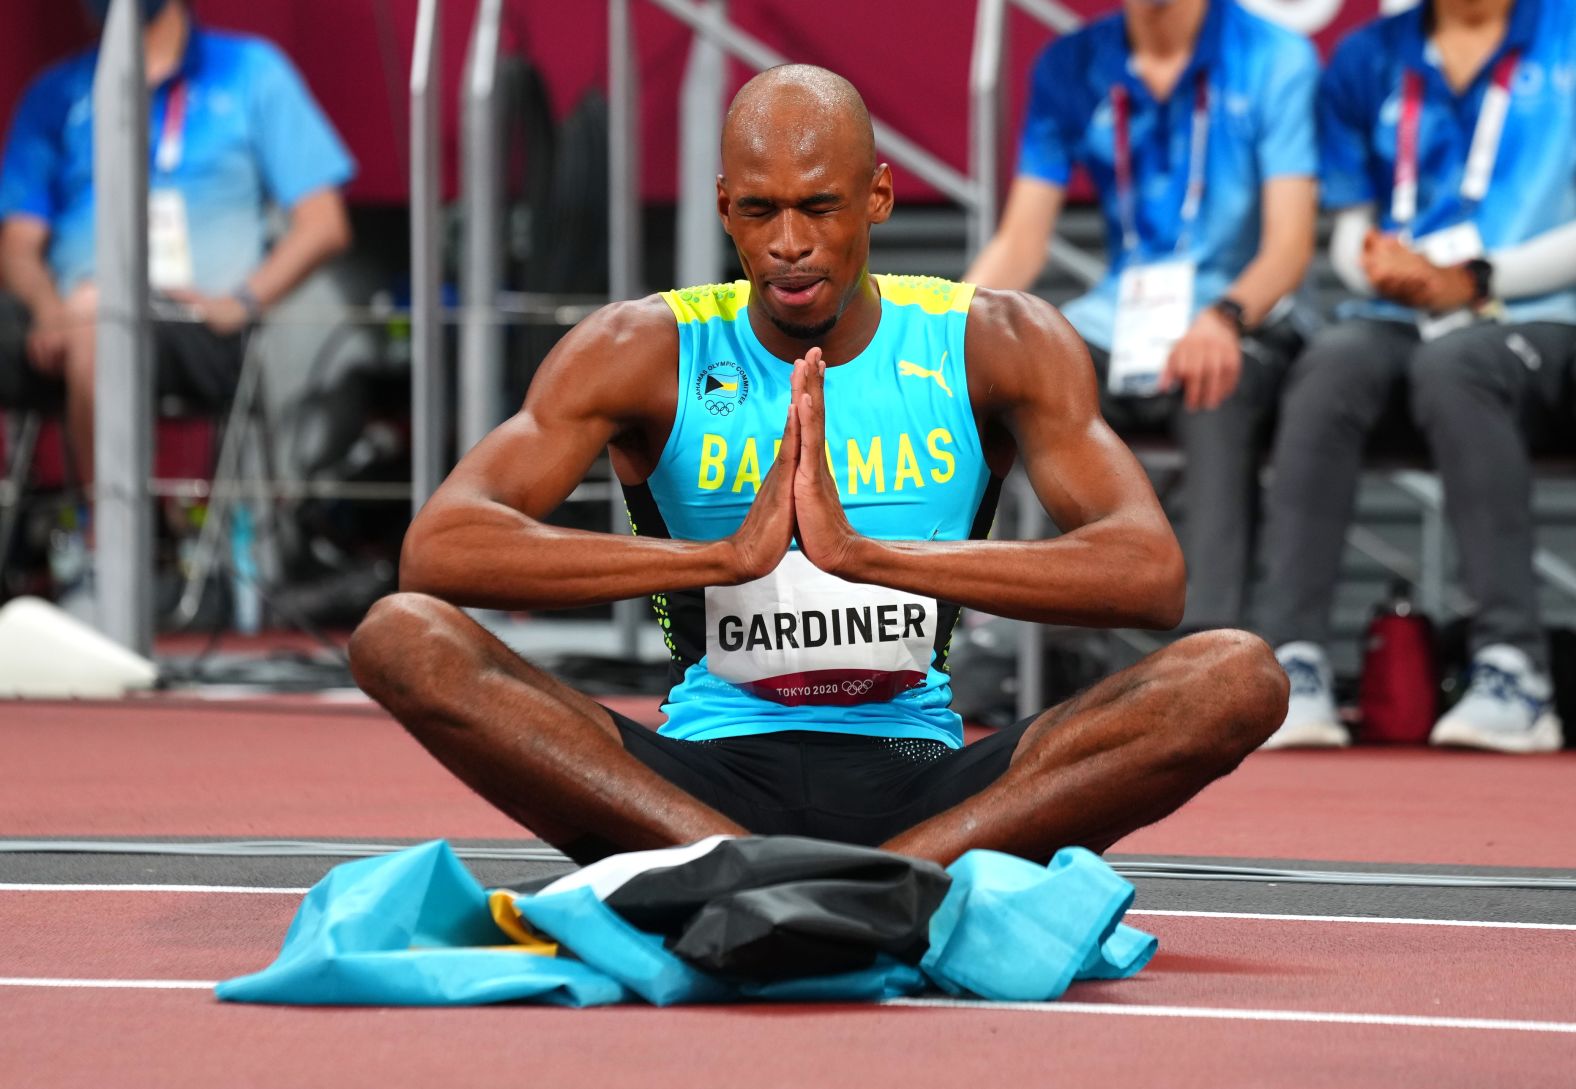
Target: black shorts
{"points": [[842, 787], [190, 361]]}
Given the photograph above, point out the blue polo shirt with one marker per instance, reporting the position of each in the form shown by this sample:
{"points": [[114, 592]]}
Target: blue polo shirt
{"points": [[1262, 80], [252, 136], [1533, 187]]}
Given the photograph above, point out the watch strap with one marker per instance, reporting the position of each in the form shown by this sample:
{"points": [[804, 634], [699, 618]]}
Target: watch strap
{"points": [[1233, 312]]}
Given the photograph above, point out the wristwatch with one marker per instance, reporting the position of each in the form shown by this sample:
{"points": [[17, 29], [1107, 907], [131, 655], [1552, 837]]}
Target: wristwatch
{"points": [[1481, 269], [250, 303], [1232, 311]]}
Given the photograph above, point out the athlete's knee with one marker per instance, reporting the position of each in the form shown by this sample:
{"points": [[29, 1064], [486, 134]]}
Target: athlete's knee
{"points": [[394, 646], [1243, 686]]}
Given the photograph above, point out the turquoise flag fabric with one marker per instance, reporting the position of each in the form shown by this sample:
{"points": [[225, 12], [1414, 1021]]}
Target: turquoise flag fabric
{"points": [[415, 928], [1010, 930], [411, 929]]}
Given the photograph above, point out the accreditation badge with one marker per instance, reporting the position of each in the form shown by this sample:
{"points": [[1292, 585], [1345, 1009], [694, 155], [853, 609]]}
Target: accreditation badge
{"points": [[169, 241], [1154, 304]]}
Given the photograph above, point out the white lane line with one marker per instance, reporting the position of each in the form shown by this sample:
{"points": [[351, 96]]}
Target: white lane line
{"points": [[1209, 1013], [118, 984], [1218, 1014], [1487, 924], [154, 888]]}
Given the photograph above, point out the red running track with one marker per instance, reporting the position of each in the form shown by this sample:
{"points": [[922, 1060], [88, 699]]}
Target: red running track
{"points": [[174, 1039], [152, 769]]}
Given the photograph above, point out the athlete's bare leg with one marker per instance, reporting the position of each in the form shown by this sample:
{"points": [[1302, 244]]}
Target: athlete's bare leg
{"points": [[543, 753], [1125, 753]]}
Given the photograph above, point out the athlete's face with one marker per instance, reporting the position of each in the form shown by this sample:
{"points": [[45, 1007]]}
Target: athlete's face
{"points": [[799, 207]]}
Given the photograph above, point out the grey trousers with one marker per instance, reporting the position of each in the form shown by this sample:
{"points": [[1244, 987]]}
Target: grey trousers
{"points": [[1482, 396], [1222, 448]]}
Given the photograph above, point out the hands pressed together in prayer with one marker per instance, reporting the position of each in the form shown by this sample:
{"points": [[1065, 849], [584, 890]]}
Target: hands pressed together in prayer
{"points": [[798, 498]]}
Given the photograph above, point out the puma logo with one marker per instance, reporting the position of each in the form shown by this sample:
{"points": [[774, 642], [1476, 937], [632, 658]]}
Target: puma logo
{"points": [[905, 367]]}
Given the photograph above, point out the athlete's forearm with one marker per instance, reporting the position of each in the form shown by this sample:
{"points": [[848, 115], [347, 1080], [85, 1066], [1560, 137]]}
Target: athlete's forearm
{"points": [[494, 557], [1103, 575]]}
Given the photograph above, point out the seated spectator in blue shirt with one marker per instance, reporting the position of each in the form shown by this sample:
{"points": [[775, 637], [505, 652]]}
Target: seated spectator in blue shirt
{"points": [[1194, 120], [1448, 140], [233, 130]]}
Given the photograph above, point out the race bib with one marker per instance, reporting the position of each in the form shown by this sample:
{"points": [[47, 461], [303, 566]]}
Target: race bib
{"points": [[1154, 303], [169, 241], [1450, 246], [801, 636]]}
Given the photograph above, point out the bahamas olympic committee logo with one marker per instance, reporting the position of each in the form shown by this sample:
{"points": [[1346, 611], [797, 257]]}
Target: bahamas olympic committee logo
{"points": [[722, 387]]}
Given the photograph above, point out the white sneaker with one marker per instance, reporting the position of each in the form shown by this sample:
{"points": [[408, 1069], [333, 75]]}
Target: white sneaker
{"points": [[1507, 707], [1311, 720]]}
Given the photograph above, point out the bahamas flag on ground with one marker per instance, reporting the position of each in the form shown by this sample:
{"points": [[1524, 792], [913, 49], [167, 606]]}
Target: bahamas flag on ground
{"points": [[722, 920]]}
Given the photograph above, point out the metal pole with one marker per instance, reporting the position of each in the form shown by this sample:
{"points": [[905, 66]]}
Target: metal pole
{"points": [[985, 120], [123, 381], [623, 155], [700, 250], [1060, 19], [481, 165], [623, 133], [426, 259]]}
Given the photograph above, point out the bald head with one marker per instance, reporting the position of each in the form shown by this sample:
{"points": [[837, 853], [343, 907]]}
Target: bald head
{"points": [[797, 107]]}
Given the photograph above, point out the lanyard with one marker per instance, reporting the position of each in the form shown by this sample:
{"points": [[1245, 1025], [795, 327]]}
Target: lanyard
{"points": [[1481, 156], [172, 136], [1126, 198]]}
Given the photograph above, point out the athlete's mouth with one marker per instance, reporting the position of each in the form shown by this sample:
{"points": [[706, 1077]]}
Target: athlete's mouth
{"points": [[795, 290]]}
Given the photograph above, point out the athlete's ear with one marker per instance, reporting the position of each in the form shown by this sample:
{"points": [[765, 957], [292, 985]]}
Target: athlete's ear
{"points": [[723, 204], [881, 194]]}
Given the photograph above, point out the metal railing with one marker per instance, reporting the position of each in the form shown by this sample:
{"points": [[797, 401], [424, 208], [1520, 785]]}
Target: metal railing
{"points": [[699, 254], [986, 117]]}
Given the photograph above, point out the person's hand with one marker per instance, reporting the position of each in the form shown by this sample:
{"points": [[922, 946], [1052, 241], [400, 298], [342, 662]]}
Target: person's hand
{"points": [[1447, 289], [46, 340], [224, 314], [1396, 271], [1206, 362], [767, 530], [825, 535]]}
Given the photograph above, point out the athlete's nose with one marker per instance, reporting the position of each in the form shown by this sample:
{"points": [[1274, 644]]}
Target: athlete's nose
{"points": [[792, 242]]}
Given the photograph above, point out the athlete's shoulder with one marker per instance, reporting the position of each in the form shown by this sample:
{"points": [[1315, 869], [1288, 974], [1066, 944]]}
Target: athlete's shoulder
{"points": [[632, 340], [1010, 315], [1016, 341], [931, 294]]}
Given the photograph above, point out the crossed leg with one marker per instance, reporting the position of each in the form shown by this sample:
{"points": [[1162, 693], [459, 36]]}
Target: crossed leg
{"points": [[548, 756], [1125, 753]]}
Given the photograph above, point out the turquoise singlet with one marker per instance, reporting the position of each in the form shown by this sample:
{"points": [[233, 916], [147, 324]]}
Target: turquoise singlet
{"points": [[801, 649]]}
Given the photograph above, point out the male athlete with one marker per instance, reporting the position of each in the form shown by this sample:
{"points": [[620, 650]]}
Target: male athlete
{"points": [[811, 458]]}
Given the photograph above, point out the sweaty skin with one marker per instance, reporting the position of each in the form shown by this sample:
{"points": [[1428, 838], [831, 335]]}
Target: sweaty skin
{"points": [[799, 193]]}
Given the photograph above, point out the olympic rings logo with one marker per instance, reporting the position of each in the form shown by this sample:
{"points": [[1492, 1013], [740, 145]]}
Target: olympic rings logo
{"points": [[858, 688], [720, 408]]}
